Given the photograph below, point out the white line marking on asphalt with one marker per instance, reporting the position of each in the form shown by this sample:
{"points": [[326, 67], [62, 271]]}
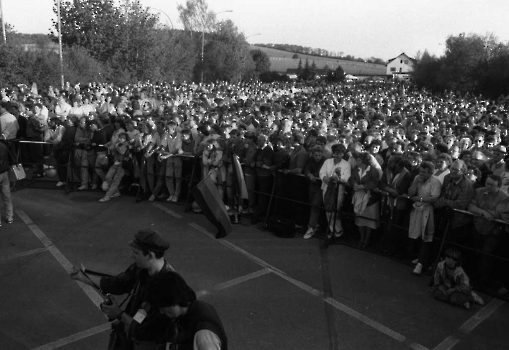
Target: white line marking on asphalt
{"points": [[75, 337], [24, 217], [448, 343], [366, 320], [235, 248], [416, 346], [378, 326], [481, 315], [93, 295], [22, 254], [169, 211], [301, 285], [234, 282]]}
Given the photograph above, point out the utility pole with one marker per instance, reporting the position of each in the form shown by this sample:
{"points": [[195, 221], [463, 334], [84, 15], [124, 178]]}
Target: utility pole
{"points": [[60, 46], [4, 38]]}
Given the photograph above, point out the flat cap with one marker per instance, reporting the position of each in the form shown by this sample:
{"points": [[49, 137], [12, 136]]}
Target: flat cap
{"points": [[149, 239]]}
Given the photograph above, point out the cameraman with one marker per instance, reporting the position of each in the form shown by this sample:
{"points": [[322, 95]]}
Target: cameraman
{"points": [[142, 322]]}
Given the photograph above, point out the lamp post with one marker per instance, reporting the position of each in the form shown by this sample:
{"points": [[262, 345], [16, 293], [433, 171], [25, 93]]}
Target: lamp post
{"points": [[203, 41], [247, 37], [164, 13], [60, 46], [4, 38]]}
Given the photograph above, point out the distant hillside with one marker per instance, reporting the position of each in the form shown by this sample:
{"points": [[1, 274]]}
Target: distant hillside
{"points": [[280, 61], [319, 52]]}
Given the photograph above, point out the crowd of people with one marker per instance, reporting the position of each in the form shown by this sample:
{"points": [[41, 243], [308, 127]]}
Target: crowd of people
{"points": [[403, 161]]}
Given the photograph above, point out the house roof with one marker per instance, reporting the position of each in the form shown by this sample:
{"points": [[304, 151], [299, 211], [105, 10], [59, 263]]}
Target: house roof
{"points": [[401, 54]]}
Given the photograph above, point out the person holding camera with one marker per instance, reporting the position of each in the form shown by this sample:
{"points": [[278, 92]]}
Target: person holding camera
{"points": [[138, 321]]}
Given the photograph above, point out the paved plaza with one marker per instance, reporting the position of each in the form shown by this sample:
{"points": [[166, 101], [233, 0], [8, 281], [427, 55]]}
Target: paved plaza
{"points": [[271, 293]]}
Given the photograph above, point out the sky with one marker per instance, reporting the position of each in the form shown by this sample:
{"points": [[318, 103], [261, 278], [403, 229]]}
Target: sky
{"points": [[362, 28]]}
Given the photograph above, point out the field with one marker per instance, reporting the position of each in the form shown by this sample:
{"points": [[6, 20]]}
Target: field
{"points": [[280, 61]]}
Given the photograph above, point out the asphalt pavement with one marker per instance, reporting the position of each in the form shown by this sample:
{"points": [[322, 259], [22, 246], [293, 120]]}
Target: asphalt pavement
{"points": [[271, 293]]}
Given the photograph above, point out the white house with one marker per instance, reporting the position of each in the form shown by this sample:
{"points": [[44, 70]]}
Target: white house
{"points": [[401, 67]]}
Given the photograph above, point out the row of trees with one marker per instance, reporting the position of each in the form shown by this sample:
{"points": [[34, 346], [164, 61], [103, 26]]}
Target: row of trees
{"points": [[310, 72], [320, 52], [123, 41], [471, 63]]}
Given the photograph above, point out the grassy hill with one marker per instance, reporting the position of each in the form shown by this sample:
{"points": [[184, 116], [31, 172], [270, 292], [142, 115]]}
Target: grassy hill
{"points": [[280, 61]]}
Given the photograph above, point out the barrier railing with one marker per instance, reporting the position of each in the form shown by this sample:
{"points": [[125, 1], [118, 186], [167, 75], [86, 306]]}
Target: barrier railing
{"points": [[278, 193]]}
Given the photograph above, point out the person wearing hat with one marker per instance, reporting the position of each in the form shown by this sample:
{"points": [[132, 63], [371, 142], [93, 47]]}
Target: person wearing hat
{"points": [[497, 164], [198, 324], [141, 322]]}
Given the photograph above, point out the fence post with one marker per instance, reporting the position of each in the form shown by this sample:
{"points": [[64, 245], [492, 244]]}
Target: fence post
{"points": [[442, 244]]}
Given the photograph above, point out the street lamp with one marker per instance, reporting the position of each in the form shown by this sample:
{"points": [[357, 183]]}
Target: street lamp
{"points": [[164, 13], [203, 40], [4, 39], [61, 56], [247, 37]]}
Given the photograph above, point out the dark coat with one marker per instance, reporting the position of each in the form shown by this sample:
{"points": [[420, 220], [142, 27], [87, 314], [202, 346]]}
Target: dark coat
{"points": [[370, 182]]}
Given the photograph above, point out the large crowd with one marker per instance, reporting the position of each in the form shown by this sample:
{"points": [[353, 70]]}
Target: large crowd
{"points": [[377, 149]]}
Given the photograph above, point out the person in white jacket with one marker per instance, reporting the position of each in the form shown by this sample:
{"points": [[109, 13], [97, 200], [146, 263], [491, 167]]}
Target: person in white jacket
{"points": [[335, 170]]}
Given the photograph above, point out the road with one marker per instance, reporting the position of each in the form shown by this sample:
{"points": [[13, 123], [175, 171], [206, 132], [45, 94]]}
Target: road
{"points": [[272, 293]]}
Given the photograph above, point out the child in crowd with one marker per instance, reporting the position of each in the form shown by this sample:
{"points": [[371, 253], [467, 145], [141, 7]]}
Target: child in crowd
{"points": [[116, 172], [451, 284]]}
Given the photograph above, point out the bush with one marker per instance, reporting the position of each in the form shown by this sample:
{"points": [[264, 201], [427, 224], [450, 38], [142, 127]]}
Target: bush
{"points": [[270, 77]]}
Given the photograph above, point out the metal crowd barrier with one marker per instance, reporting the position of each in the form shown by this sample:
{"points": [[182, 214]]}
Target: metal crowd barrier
{"points": [[386, 207]]}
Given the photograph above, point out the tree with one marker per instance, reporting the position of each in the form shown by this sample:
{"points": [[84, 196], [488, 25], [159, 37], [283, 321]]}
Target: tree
{"points": [[307, 73], [80, 66], [92, 24], [10, 33], [226, 54], [463, 55], [427, 71], [336, 76], [261, 61], [270, 77], [136, 55], [471, 63], [196, 17], [127, 39], [178, 57]]}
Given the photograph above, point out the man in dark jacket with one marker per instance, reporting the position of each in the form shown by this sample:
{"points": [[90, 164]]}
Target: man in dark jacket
{"points": [[264, 160], [62, 150], [141, 321], [197, 323], [5, 185]]}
